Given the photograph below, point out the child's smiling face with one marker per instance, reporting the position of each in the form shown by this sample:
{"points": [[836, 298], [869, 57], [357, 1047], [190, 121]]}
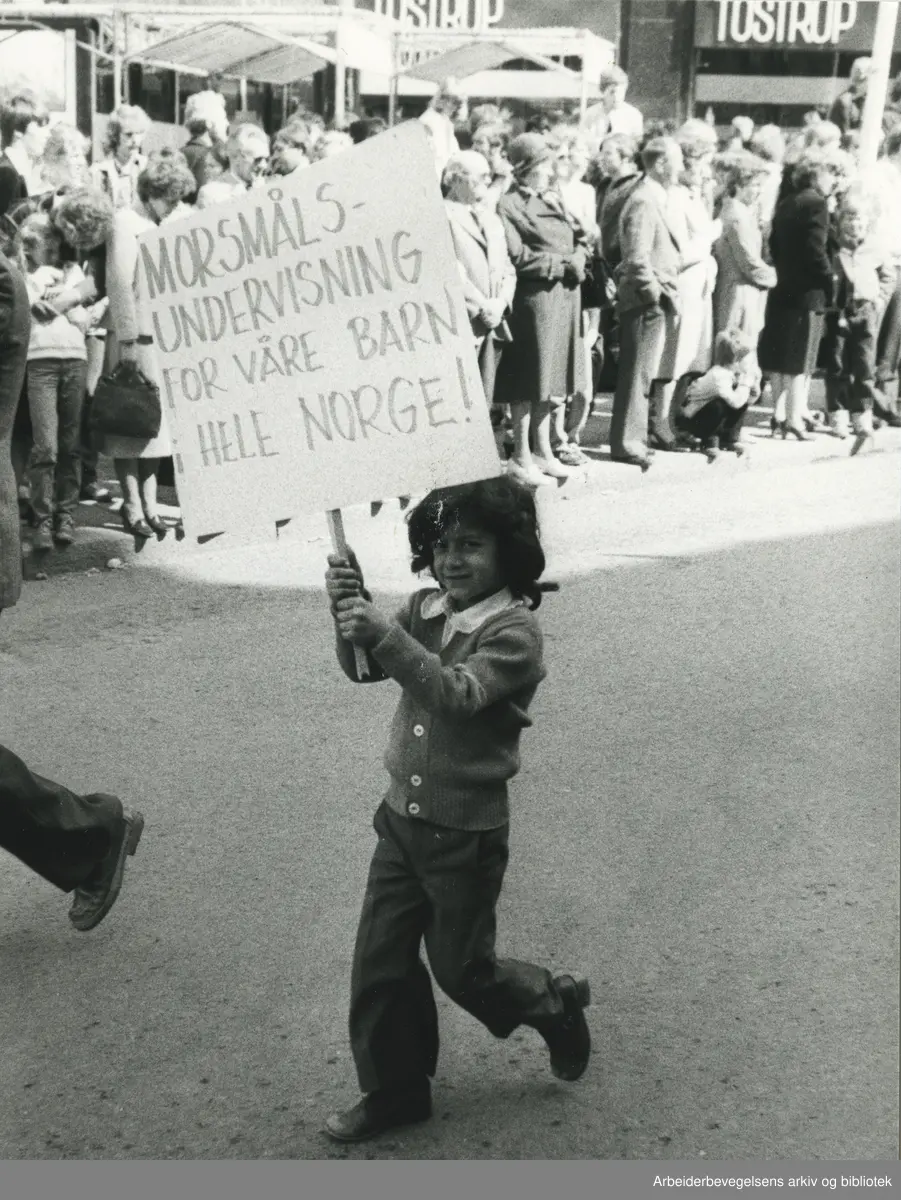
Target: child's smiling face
{"points": [[466, 564]]}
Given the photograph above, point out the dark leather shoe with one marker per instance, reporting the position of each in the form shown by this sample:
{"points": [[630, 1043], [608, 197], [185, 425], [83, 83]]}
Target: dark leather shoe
{"points": [[568, 1037], [632, 460], [378, 1112], [96, 896]]}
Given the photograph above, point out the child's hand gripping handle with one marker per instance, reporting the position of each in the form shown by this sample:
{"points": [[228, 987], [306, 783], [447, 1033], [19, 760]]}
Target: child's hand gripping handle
{"points": [[339, 545]]}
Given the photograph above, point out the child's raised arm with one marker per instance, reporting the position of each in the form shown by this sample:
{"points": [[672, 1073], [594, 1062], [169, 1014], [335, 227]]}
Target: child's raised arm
{"points": [[344, 581], [508, 657]]}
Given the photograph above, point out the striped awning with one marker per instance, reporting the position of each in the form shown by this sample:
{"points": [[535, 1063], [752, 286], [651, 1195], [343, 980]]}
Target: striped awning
{"points": [[238, 50], [476, 56]]}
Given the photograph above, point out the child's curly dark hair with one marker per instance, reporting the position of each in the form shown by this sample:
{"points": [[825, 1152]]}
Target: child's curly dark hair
{"points": [[498, 506]]}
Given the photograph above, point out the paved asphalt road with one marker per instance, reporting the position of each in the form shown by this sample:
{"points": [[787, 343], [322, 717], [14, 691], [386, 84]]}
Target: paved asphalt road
{"points": [[706, 823]]}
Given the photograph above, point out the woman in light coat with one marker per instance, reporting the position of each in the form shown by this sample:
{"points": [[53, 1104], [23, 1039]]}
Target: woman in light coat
{"points": [[162, 186], [743, 278]]}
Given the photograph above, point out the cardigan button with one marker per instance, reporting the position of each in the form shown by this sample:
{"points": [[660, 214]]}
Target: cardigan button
{"points": [[413, 809], [418, 730], [416, 780]]}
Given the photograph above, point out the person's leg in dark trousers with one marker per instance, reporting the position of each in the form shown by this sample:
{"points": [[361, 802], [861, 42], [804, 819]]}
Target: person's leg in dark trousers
{"points": [[642, 335], [393, 1019], [442, 885], [72, 841], [833, 352], [731, 425], [863, 329], [70, 403], [707, 424], [888, 355], [61, 836]]}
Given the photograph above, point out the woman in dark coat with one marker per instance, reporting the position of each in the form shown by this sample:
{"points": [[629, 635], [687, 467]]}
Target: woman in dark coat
{"points": [[793, 323], [15, 328], [545, 364]]}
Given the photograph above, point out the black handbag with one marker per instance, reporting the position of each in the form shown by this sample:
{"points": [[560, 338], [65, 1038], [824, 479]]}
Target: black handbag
{"points": [[599, 288], [126, 404]]}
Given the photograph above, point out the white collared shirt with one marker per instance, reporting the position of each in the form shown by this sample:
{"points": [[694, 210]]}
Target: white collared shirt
{"points": [[437, 604], [598, 123]]}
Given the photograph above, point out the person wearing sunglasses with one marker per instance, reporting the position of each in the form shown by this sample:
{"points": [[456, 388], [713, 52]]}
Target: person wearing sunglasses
{"points": [[247, 150]]}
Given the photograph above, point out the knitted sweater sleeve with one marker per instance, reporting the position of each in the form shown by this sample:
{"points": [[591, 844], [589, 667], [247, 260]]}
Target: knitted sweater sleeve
{"points": [[347, 657], [507, 658]]}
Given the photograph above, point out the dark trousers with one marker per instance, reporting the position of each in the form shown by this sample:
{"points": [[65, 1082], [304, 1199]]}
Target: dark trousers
{"points": [[490, 353], [87, 450], [849, 358], [55, 399], [441, 886], [642, 333], [717, 423], [60, 836], [888, 346]]}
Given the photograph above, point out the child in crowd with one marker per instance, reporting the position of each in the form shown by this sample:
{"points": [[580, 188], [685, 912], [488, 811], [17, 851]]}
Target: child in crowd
{"points": [[714, 404], [57, 367], [468, 658], [865, 281]]}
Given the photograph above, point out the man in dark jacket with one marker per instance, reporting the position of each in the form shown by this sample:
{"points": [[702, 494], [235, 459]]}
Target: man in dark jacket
{"points": [[24, 127], [77, 843]]}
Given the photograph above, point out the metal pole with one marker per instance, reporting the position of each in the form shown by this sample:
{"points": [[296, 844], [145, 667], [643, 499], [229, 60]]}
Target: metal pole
{"points": [[583, 92], [877, 86], [392, 84], [117, 59], [340, 69]]}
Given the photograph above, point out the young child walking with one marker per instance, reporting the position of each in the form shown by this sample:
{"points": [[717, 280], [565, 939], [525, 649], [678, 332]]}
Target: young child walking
{"points": [[468, 657], [865, 281], [713, 406]]}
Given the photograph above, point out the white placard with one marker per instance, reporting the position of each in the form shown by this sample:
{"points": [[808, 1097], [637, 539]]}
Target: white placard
{"points": [[312, 345]]}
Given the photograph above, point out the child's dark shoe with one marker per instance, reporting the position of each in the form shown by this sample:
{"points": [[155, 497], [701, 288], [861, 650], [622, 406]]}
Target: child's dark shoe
{"points": [[568, 1038], [378, 1112]]}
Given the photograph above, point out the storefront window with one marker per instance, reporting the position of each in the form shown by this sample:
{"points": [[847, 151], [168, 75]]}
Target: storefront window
{"points": [[154, 90]]}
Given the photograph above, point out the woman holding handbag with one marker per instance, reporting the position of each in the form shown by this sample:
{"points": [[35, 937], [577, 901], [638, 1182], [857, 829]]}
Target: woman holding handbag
{"points": [[161, 186]]}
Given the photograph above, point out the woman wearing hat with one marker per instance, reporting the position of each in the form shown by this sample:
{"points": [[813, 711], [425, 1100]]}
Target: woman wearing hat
{"points": [[547, 249]]}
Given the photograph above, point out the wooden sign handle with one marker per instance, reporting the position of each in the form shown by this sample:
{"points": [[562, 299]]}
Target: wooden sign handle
{"points": [[339, 545]]}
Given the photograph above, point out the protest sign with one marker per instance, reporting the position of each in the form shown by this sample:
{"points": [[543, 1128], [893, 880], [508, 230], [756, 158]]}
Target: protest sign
{"points": [[312, 345]]}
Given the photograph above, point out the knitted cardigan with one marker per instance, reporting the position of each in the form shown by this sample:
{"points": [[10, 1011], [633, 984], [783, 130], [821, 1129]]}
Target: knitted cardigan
{"points": [[454, 740]]}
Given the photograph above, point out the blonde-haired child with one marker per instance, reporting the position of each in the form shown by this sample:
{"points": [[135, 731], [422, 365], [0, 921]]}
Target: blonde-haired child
{"points": [[713, 405], [57, 366], [864, 282]]}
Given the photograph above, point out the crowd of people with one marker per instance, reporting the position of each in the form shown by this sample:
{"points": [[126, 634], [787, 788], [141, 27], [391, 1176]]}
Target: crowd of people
{"points": [[698, 274]]}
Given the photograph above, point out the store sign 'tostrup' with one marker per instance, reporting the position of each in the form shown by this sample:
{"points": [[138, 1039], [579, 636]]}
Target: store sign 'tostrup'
{"points": [[787, 24]]}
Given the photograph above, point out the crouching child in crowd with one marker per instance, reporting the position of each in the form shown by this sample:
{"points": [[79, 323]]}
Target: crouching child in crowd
{"points": [[865, 280], [713, 406], [468, 658]]}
